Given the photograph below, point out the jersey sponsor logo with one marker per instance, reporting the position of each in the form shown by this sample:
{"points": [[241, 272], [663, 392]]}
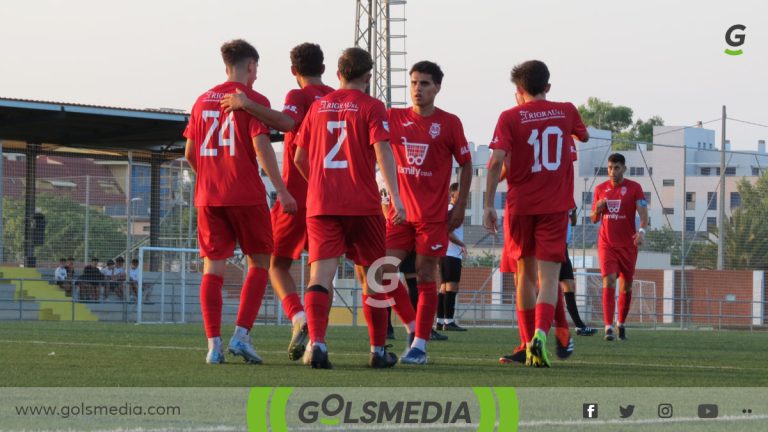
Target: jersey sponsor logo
{"points": [[436, 246], [434, 130], [613, 205], [408, 123], [415, 152], [385, 124], [329, 106], [417, 172], [291, 108], [531, 116]]}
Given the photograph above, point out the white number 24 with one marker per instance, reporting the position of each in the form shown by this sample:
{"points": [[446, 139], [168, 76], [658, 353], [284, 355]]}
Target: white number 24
{"points": [[541, 156], [228, 126]]}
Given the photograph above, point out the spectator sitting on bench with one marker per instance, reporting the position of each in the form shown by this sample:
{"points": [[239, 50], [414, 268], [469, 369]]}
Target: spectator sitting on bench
{"points": [[61, 276], [90, 281], [133, 280]]}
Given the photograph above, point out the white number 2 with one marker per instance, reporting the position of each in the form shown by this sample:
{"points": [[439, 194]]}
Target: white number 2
{"points": [[541, 152], [328, 162], [228, 126]]}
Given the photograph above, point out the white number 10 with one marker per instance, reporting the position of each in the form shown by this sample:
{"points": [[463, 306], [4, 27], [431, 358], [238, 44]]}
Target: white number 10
{"points": [[541, 152]]}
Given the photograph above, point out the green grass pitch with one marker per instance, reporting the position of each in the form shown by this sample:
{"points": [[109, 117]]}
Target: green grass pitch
{"points": [[53, 354]]}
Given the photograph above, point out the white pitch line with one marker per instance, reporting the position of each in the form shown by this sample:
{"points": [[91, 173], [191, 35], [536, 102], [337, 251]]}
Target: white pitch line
{"points": [[361, 354], [727, 418]]}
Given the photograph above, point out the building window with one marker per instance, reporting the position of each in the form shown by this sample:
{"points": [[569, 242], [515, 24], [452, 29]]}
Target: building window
{"points": [[586, 197], [467, 220], [650, 171], [690, 224], [705, 171], [668, 211], [637, 171], [690, 200], [717, 171], [755, 171], [668, 182], [735, 200], [500, 200], [647, 198], [711, 200], [730, 171], [711, 223], [601, 171]]}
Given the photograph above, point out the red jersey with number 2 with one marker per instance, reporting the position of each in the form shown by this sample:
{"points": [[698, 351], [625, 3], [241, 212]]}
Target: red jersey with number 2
{"points": [[339, 132], [223, 153], [537, 139]]}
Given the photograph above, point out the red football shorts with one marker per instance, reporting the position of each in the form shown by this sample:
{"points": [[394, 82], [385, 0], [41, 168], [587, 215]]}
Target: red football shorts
{"points": [[427, 238], [542, 236], [219, 228], [361, 238], [289, 231], [508, 265], [619, 261]]}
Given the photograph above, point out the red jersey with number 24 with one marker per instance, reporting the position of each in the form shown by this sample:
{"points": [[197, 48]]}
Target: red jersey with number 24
{"points": [[537, 139], [223, 153], [339, 132]]}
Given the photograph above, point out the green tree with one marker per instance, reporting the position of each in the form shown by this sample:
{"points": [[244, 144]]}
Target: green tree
{"points": [[64, 231], [618, 119]]}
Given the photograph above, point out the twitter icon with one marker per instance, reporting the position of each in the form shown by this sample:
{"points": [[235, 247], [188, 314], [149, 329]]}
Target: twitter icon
{"points": [[626, 412]]}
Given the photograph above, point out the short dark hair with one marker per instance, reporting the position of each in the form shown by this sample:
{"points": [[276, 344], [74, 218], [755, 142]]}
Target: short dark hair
{"points": [[428, 67], [532, 76], [238, 50], [119, 259], [70, 259], [617, 158], [454, 187], [307, 59], [354, 63], [134, 261], [94, 259], [61, 260]]}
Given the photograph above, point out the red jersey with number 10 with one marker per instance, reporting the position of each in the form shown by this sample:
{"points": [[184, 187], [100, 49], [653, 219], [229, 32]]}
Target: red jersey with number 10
{"points": [[297, 103], [617, 227], [537, 139], [339, 132], [223, 153]]}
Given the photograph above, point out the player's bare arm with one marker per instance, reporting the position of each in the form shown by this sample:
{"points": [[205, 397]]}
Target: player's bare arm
{"points": [[459, 207], [386, 161], [642, 210], [490, 220], [301, 160], [272, 118], [599, 207], [268, 162], [190, 155]]}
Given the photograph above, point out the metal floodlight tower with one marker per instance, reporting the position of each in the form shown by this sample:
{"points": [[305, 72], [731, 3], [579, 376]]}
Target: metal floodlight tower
{"points": [[380, 29]]}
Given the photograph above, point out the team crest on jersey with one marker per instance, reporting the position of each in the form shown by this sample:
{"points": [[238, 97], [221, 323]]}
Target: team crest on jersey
{"points": [[434, 130], [623, 190]]}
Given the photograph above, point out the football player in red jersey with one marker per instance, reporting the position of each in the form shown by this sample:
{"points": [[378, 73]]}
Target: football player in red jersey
{"points": [[615, 204], [290, 230], [537, 134], [343, 136], [425, 141], [223, 149]]}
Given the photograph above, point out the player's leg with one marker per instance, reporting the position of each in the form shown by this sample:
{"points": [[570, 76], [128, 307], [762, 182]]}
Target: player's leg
{"points": [[453, 278], [564, 341], [216, 239], [401, 300], [326, 245], [627, 260], [440, 315], [426, 266], [609, 304], [253, 228], [408, 269], [568, 286]]}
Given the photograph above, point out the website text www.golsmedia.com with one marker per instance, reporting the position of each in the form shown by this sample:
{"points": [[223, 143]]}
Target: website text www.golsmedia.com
{"points": [[126, 409]]}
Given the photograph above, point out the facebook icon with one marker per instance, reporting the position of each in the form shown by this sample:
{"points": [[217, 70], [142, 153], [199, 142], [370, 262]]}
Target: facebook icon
{"points": [[589, 410]]}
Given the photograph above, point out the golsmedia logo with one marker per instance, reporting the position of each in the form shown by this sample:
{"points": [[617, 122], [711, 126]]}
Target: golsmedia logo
{"points": [[735, 38], [335, 410], [284, 409]]}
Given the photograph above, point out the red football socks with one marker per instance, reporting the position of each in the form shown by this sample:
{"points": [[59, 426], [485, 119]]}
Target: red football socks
{"points": [[402, 306], [317, 307], [609, 305], [625, 300], [425, 313], [376, 317], [545, 314], [210, 304], [292, 305], [251, 296]]}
